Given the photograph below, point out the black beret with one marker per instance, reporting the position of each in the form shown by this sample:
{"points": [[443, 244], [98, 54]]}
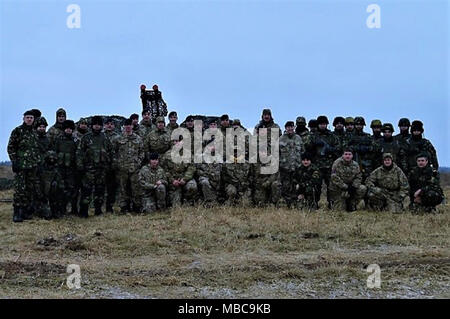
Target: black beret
{"points": [[68, 124], [154, 156], [128, 122]]}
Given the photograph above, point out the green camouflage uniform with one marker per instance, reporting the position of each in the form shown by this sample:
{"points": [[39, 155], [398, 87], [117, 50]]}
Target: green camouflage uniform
{"points": [[153, 196], [23, 151], [56, 130], [308, 183], [170, 128], [346, 189], [237, 178], [145, 129], [128, 157], [44, 148], [267, 187], [340, 134], [174, 171], [94, 158], [291, 148], [393, 147], [52, 183], [417, 145], [157, 141], [387, 188], [209, 180], [426, 179], [110, 176]]}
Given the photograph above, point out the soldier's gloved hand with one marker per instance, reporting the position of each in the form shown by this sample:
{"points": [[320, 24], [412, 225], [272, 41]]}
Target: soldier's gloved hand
{"points": [[15, 167]]}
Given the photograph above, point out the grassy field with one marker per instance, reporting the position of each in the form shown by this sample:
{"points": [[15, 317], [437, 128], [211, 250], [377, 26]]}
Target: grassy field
{"points": [[227, 253]]}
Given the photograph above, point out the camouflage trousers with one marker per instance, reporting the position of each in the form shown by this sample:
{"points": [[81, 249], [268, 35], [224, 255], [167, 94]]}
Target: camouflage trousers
{"points": [[287, 186], [93, 181], [53, 190], [111, 187], [155, 199], [235, 196], [129, 191], [183, 193], [325, 175], [267, 193], [309, 201], [208, 191], [70, 188], [27, 188], [380, 200], [345, 200]]}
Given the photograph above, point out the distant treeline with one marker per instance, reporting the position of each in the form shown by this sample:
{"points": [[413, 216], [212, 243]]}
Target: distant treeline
{"points": [[5, 163]]}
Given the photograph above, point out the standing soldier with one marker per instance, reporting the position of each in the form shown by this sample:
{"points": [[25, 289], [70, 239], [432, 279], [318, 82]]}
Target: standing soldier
{"points": [[403, 125], [391, 145], [291, 149], [146, 124], [425, 191], [376, 125], [173, 117], [129, 154], [153, 181], [312, 125], [81, 129], [416, 145], [110, 176], [339, 132], [158, 141], [180, 176], [267, 187], [57, 130], [301, 129], [325, 148], [23, 151], [346, 190], [349, 126], [307, 184], [224, 125], [66, 149], [94, 158], [135, 122], [387, 186], [268, 123], [366, 151], [44, 147]]}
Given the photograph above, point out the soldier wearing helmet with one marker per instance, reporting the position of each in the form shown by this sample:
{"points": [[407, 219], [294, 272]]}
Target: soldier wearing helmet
{"points": [[416, 144], [376, 125], [339, 123], [301, 129], [392, 146]]}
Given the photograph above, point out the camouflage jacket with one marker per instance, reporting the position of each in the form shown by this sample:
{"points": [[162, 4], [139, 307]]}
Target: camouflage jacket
{"points": [[263, 179], [212, 171], [55, 131], [171, 127], [145, 129], [45, 146], [111, 135], [426, 178], [340, 134], [398, 153], [79, 135], [415, 146], [66, 149], [94, 151], [176, 171], [325, 147], [345, 174], [269, 126], [23, 147], [157, 141], [148, 177], [308, 179], [128, 153], [291, 149], [388, 181], [366, 152], [238, 175], [304, 135]]}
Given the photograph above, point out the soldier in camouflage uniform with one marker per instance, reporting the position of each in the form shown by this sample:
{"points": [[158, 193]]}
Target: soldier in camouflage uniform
{"points": [[52, 184], [180, 176], [81, 129], [23, 151], [135, 122], [267, 187], [268, 123], [346, 190], [403, 125], [209, 178], [110, 176], [349, 129], [425, 190], [339, 132], [146, 125], [44, 147], [291, 149], [129, 155], [387, 186], [301, 129], [66, 148], [391, 145], [416, 145], [94, 158], [237, 178], [366, 152], [172, 125], [325, 148], [307, 184], [158, 140], [153, 182], [56, 130], [312, 125], [376, 126]]}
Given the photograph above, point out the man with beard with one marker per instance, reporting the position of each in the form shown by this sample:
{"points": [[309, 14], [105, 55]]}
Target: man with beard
{"points": [[308, 182], [387, 187]]}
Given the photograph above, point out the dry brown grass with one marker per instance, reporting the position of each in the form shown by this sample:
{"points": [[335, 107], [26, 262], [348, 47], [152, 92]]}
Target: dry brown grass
{"points": [[227, 253]]}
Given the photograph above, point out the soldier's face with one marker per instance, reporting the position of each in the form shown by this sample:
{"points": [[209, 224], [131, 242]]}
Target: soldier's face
{"points": [[347, 156], [213, 125], [190, 124], [359, 127], [96, 127], [387, 161], [225, 123], [135, 121], [339, 126], [28, 119], [376, 130], [128, 128], [322, 126], [422, 161], [404, 128], [146, 117], [173, 119], [306, 162], [68, 131], [83, 126], [109, 126], [290, 129], [349, 127], [41, 128], [267, 117], [61, 118], [154, 163], [160, 125], [416, 133], [387, 134]]}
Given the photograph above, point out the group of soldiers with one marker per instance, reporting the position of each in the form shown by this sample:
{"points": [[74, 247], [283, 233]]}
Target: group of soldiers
{"points": [[76, 165]]}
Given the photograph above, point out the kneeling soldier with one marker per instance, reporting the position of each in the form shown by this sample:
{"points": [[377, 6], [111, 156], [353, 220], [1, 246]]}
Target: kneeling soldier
{"points": [[308, 182], [153, 181], [387, 186]]}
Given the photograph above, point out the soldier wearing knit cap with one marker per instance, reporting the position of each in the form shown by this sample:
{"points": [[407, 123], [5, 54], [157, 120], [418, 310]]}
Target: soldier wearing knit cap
{"points": [[416, 144]]}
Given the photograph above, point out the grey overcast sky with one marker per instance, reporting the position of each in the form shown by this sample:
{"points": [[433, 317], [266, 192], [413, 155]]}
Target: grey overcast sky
{"points": [[212, 57]]}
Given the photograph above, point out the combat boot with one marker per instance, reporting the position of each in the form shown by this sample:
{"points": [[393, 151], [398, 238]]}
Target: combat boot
{"points": [[84, 211], [17, 216]]}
